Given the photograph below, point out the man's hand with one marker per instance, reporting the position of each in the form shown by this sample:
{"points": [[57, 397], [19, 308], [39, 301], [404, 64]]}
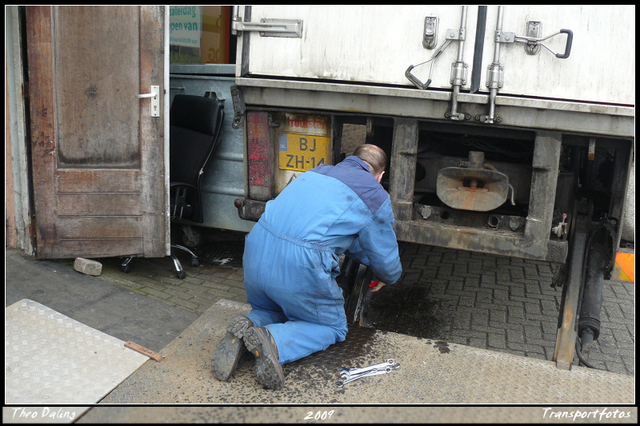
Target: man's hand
{"points": [[376, 287]]}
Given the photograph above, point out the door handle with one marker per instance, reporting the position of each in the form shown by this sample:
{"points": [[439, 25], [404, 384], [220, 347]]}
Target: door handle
{"points": [[155, 100]]}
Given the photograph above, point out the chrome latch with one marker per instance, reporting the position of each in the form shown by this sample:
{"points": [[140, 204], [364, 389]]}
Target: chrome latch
{"points": [[534, 29], [533, 42], [430, 39], [458, 73], [289, 28]]}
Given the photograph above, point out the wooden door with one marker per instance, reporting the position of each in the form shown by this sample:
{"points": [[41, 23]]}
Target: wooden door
{"points": [[100, 176]]}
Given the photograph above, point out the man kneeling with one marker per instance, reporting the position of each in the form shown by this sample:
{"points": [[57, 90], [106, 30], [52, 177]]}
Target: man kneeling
{"points": [[291, 262]]}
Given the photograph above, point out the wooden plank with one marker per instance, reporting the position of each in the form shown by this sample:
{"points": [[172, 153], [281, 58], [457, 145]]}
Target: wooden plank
{"points": [[105, 227], [155, 184], [144, 351], [69, 249], [96, 104], [84, 180], [43, 135], [99, 204]]}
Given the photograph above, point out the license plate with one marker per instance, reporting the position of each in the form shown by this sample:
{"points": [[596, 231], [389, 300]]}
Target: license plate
{"points": [[302, 152]]}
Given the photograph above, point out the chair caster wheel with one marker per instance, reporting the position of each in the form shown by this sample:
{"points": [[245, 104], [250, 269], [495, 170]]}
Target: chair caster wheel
{"points": [[125, 266], [181, 274], [194, 262]]}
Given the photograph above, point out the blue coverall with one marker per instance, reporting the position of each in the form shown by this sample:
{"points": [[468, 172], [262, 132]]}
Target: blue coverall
{"points": [[291, 254]]}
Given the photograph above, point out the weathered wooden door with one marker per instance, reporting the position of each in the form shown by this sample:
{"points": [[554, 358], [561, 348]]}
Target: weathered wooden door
{"points": [[100, 175]]}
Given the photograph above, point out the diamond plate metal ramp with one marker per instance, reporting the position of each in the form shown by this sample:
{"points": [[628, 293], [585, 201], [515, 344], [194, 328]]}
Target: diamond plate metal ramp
{"points": [[431, 373], [53, 359]]}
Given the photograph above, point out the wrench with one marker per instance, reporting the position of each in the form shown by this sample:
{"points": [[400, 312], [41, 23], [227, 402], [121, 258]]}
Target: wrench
{"points": [[359, 376], [387, 368], [387, 363]]}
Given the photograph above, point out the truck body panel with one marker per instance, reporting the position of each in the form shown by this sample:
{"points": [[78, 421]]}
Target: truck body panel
{"points": [[223, 177], [376, 44]]}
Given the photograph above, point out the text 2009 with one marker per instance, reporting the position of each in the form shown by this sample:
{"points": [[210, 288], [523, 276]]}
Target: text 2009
{"points": [[320, 415]]}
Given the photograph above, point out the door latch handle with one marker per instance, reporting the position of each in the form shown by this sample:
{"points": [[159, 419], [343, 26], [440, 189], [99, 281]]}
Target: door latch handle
{"points": [[567, 48], [508, 37], [155, 100]]}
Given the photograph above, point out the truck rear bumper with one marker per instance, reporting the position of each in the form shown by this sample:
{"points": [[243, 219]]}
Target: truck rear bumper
{"points": [[497, 242], [481, 240], [517, 112]]}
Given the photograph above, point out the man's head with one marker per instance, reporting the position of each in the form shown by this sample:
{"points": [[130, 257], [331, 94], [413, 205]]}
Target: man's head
{"points": [[375, 158]]}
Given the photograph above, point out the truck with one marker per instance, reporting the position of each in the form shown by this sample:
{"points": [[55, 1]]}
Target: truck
{"points": [[509, 129]]}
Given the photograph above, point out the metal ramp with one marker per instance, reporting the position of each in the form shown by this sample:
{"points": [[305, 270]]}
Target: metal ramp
{"points": [[432, 373]]}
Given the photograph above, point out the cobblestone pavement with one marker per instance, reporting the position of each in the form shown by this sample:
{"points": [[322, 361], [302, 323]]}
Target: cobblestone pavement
{"points": [[485, 301], [497, 303], [203, 286]]}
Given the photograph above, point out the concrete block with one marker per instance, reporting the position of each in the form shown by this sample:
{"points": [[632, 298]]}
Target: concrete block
{"points": [[86, 266]]}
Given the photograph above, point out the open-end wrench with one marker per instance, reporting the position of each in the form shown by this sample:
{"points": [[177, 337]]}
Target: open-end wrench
{"points": [[352, 371], [359, 376], [385, 368]]}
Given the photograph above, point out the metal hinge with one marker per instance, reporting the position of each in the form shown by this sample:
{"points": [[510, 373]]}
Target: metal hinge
{"points": [[290, 28], [239, 107]]}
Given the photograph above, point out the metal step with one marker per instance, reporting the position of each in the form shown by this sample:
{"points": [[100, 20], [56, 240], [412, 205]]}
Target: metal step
{"points": [[53, 359]]}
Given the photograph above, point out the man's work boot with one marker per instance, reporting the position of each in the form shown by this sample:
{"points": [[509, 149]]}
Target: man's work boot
{"points": [[260, 343], [228, 352]]}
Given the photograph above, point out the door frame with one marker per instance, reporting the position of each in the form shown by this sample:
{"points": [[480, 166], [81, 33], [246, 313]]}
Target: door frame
{"points": [[166, 102], [19, 192]]}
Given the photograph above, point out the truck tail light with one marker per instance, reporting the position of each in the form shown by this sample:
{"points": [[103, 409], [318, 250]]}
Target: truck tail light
{"points": [[260, 156]]}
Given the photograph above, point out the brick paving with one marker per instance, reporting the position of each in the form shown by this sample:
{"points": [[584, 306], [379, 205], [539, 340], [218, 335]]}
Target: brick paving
{"points": [[156, 278], [498, 303]]}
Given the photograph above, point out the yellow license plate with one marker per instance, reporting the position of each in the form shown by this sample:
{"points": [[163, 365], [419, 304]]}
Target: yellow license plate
{"points": [[302, 152]]}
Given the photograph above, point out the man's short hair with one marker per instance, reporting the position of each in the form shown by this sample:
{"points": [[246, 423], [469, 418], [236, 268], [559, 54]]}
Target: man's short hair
{"points": [[372, 155]]}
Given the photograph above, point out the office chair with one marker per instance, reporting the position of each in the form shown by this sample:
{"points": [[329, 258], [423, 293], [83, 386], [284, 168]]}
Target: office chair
{"points": [[195, 124]]}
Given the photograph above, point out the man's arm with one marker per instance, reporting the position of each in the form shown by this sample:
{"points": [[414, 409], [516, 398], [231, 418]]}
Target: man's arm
{"points": [[377, 244]]}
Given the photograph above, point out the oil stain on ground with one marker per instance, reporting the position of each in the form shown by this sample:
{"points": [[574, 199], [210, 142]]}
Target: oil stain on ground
{"points": [[407, 309], [320, 371]]}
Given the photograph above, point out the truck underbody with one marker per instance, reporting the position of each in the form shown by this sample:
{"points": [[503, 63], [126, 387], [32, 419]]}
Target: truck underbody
{"points": [[549, 165], [535, 166]]}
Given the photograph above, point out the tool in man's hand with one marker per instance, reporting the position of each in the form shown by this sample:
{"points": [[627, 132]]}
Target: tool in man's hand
{"points": [[375, 286]]}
